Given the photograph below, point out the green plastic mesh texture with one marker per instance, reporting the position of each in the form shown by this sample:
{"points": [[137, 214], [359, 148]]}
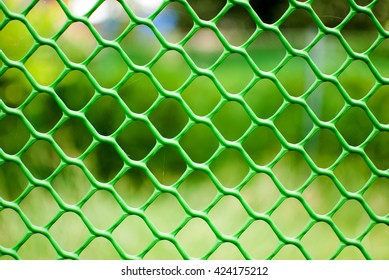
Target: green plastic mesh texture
{"points": [[109, 172]]}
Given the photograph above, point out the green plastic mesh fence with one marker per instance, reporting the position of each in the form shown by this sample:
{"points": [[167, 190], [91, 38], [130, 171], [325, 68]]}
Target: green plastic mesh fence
{"points": [[194, 129]]}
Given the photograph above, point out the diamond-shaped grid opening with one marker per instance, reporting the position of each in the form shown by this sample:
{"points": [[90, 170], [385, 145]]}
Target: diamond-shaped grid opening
{"points": [[236, 31], [230, 168], [140, 44], [201, 96], [74, 236], [378, 150], [73, 137], [136, 140], [322, 195], [199, 142], [144, 9], [290, 217], [14, 134], [207, 9], [133, 235], [270, 11], [378, 57], [376, 242], [300, 68], [39, 206], [234, 81], [267, 50], [294, 116], [326, 101], [355, 126], [171, 70], [37, 247], [289, 252], [69, 42], [51, 22], [353, 172], [166, 213], [12, 228], [306, 27], [262, 145], [75, 83], [169, 117], [231, 120], [163, 250], [109, 19], [351, 218], [377, 104], [320, 241], [350, 253], [363, 2], [11, 189], [260, 234], [331, 13], [264, 98], [228, 215], [14, 34], [377, 196], [381, 11], [71, 184], [139, 93], [260, 193], [14, 87], [167, 165], [134, 187], [45, 73], [198, 190], [204, 47], [43, 112], [174, 22], [102, 209], [108, 67], [328, 54], [41, 159], [104, 162], [323, 147], [360, 32], [106, 107], [227, 251], [7, 258], [99, 249], [357, 71], [16, 6], [196, 238]]}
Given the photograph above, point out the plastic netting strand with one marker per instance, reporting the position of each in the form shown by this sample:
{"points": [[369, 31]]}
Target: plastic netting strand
{"points": [[225, 136]]}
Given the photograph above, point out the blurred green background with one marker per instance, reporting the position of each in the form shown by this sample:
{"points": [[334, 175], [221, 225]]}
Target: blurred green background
{"points": [[118, 101]]}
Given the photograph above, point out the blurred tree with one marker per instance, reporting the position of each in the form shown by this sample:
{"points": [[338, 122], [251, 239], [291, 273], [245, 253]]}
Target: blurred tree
{"points": [[207, 9], [269, 11]]}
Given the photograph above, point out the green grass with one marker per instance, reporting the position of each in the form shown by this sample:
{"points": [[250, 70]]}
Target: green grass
{"points": [[166, 214]]}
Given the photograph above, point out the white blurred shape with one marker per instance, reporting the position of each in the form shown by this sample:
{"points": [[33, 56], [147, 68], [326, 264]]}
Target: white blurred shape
{"points": [[80, 8], [150, 4], [104, 12]]}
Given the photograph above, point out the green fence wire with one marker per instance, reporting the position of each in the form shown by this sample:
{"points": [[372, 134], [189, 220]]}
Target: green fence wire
{"points": [[203, 183]]}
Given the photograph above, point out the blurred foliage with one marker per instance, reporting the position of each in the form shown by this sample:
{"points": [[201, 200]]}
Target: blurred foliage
{"points": [[139, 95]]}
